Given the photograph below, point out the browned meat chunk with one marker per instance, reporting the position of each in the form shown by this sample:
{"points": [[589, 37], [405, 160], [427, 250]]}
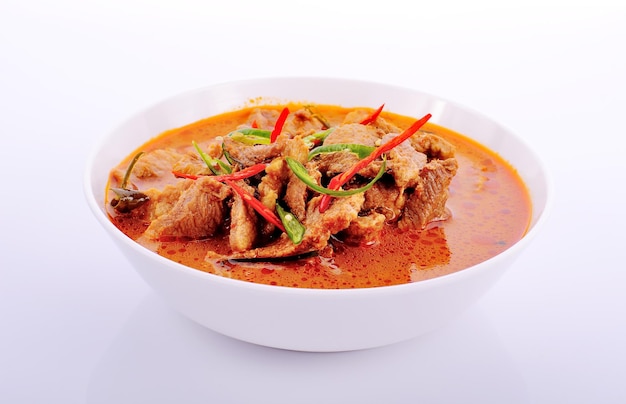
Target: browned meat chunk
{"points": [[302, 123], [428, 202], [263, 118], [405, 163], [354, 133], [156, 163], [433, 146], [364, 230], [243, 222], [189, 209], [386, 199]]}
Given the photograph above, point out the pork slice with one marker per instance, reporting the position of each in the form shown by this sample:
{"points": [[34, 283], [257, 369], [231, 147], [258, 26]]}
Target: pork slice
{"points": [[405, 163], [188, 209], [354, 133], [157, 163], [435, 147], [302, 123], [264, 118], [243, 222], [428, 202], [385, 198], [364, 230]]}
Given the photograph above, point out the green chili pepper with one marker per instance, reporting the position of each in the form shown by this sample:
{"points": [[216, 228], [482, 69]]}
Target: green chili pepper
{"points": [[360, 150], [301, 172], [317, 137], [227, 155], [216, 166], [294, 229], [251, 136]]}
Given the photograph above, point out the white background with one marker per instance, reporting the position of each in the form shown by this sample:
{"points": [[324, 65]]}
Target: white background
{"points": [[77, 325]]}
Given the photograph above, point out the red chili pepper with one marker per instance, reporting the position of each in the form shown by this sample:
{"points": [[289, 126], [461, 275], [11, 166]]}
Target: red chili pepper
{"points": [[257, 205], [239, 175], [255, 125], [373, 116], [178, 174], [242, 174], [279, 124], [339, 180]]}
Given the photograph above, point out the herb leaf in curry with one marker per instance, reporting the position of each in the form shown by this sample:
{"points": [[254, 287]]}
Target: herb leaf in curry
{"points": [[128, 199]]}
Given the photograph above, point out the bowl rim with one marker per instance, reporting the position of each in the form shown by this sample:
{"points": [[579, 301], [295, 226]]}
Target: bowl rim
{"points": [[457, 276]]}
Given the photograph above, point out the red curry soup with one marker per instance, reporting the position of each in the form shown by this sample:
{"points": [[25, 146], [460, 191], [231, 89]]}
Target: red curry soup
{"points": [[319, 196]]}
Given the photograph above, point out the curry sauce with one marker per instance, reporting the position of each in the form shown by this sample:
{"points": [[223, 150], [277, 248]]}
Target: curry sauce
{"points": [[489, 210]]}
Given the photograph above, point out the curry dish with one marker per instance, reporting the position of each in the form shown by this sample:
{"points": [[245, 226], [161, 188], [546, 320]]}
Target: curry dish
{"points": [[319, 196]]}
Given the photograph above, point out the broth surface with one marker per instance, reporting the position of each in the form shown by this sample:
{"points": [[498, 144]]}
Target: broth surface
{"points": [[489, 203]]}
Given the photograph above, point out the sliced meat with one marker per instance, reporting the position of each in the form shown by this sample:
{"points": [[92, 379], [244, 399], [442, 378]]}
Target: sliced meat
{"points": [[243, 222], [435, 147], [302, 123], [335, 163], [263, 118], [364, 230], [405, 163], [385, 198], [157, 163], [366, 135], [189, 209], [428, 202]]}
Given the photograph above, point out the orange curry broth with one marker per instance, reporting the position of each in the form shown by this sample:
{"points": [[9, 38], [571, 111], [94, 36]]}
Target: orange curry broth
{"points": [[489, 203]]}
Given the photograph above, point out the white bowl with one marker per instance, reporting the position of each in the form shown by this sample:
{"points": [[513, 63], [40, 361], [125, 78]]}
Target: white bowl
{"points": [[313, 319]]}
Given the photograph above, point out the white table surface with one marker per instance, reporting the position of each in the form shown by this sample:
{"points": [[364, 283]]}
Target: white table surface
{"points": [[77, 324]]}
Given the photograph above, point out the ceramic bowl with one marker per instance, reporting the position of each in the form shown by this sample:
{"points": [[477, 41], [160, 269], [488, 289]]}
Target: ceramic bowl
{"points": [[313, 319]]}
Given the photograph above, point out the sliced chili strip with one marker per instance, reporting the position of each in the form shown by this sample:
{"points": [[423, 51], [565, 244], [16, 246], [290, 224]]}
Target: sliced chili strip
{"points": [[294, 229], [242, 174], [373, 116], [178, 174], [280, 122], [257, 205]]}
